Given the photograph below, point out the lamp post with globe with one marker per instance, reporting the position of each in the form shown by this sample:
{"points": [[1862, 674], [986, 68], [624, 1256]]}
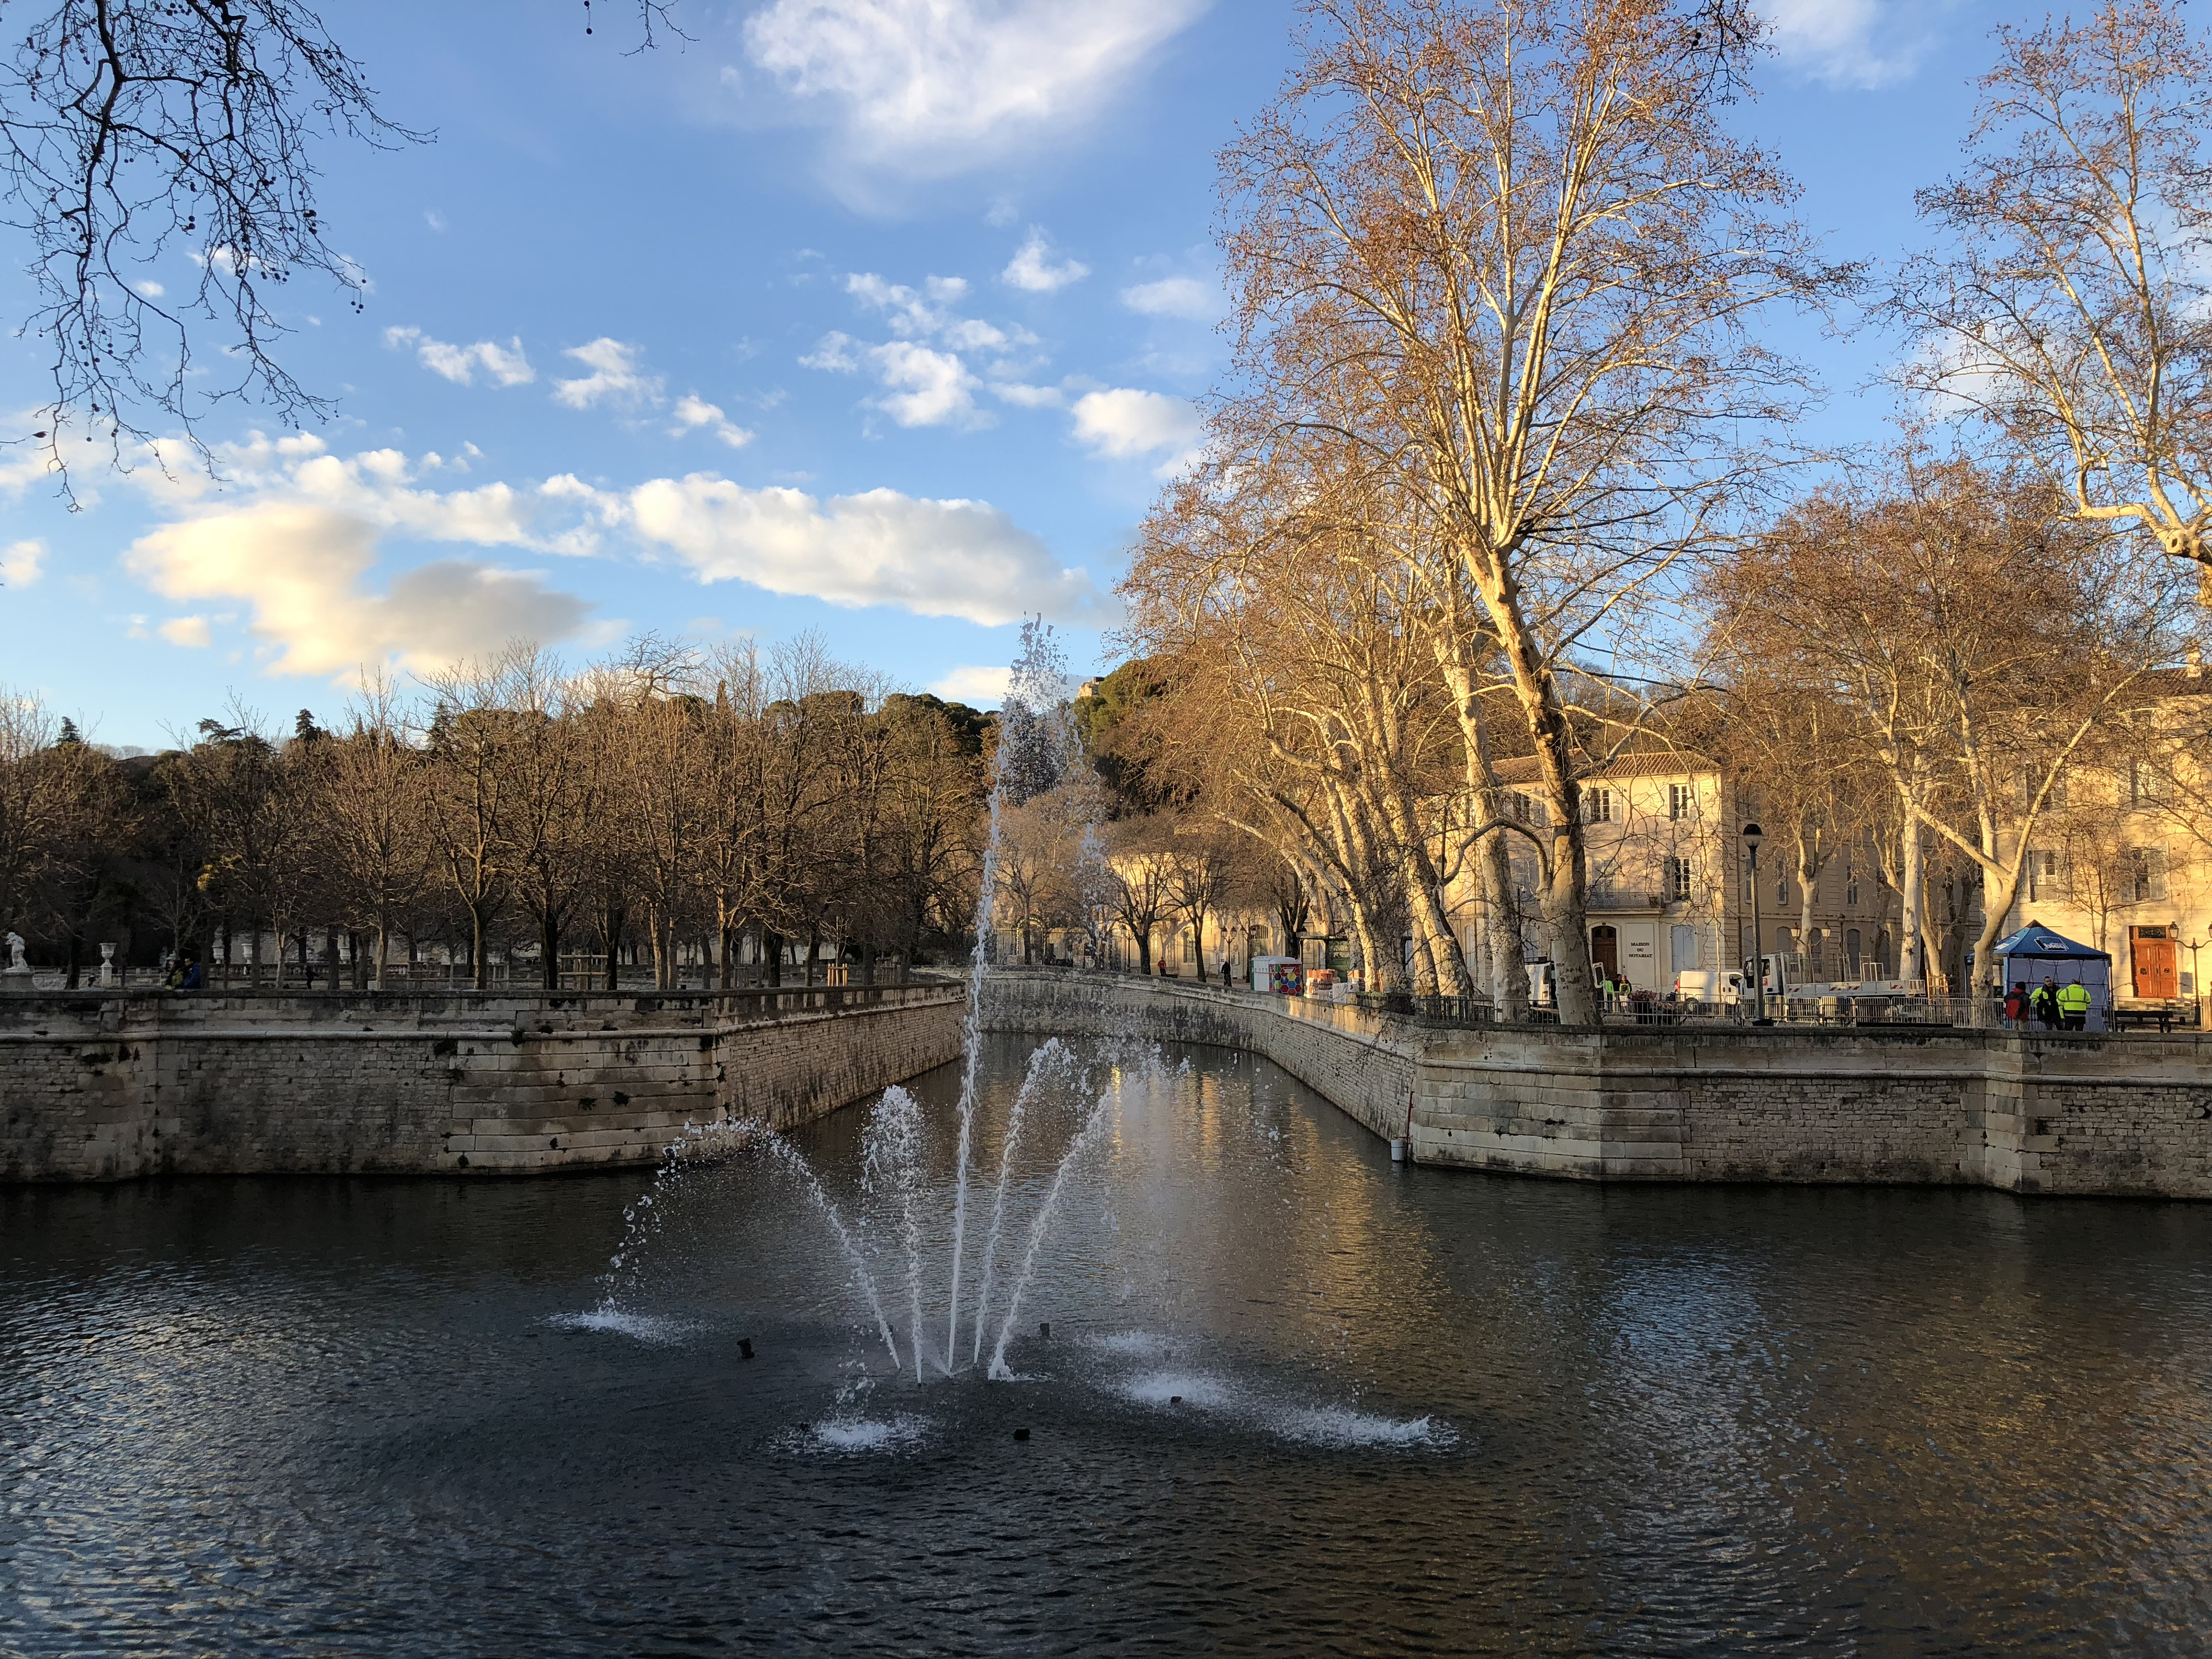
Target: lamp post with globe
{"points": [[1752, 836]]}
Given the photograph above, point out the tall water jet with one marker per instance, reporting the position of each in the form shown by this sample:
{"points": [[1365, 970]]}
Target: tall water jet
{"points": [[1041, 1223], [1052, 1060], [790, 1157], [890, 1162], [1035, 747]]}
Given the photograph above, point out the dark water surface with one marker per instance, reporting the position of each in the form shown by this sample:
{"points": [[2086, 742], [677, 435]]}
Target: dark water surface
{"points": [[1422, 1413]]}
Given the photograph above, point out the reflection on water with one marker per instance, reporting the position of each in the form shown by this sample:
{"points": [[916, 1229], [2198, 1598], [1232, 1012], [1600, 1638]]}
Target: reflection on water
{"points": [[1293, 1398]]}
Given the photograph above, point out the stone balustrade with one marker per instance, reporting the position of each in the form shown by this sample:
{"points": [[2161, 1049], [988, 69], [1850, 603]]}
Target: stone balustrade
{"points": [[98, 1086], [2118, 1115]]}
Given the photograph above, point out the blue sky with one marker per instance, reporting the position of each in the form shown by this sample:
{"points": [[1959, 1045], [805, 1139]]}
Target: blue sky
{"points": [[879, 317]]}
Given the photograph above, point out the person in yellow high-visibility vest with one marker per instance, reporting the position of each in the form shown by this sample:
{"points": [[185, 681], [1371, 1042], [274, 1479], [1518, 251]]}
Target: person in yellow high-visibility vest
{"points": [[2073, 1005]]}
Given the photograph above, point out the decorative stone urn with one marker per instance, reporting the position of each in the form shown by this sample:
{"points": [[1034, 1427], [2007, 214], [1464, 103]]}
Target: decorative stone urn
{"points": [[108, 974]]}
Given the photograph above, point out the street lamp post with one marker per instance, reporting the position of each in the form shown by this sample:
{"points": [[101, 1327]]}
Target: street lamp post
{"points": [[1752, 836], [2196, 982]]}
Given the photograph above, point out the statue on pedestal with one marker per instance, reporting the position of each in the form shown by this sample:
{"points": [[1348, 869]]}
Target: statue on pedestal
{"points": [[16, 978]]}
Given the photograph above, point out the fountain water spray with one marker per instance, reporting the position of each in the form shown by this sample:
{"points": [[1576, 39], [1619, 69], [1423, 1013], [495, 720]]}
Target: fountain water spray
{"points": [[1052, 1059], [890, 1161], [1035, 746], [1041, 1224]]}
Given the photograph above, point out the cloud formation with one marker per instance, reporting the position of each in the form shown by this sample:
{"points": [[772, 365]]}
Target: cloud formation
{"points": [[934, 558], [616, 377], [977, 684], [1031, 268], [503, 365], [297, 570], [1124, 423], [294, 548], [1174, 296], [693, 411], [926, 379], [22, 563], [930, 86], [1857, 44]]}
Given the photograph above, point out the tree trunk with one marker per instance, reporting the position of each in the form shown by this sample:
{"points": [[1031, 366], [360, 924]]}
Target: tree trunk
{"points": [[1565, 881], [479, 967], [611, 920], [1912, 897]]}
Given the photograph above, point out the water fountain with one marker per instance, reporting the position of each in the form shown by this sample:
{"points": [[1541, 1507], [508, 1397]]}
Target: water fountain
{"points": [[1035, 750]]}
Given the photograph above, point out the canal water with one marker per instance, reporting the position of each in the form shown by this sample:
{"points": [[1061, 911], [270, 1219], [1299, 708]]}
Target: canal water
{"points": [[1293, 1399]]}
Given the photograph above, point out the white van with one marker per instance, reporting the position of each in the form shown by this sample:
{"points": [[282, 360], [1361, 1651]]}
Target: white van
{"points": [[1724, 986]]}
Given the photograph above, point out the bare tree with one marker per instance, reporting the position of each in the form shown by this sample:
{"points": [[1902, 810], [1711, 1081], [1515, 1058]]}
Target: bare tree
{"points": [[2069, 307], [373, 809], [130, 127], [1513, 252]]}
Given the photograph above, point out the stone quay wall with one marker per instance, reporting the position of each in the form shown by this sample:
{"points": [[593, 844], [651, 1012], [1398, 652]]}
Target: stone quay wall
{"points": [[105, 1086], [2113, 1116]]}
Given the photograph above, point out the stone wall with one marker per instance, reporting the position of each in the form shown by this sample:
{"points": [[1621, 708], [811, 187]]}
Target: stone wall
{"points": [[96, 1088], [2117, 1115]]}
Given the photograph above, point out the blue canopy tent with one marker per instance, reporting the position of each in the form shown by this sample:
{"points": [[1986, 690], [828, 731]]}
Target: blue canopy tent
{"points": [[2034, 953]]}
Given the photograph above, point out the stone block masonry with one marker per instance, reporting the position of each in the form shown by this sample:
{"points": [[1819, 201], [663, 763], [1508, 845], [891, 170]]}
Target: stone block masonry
{"points": [[2126, 1116], [104, 1088]]}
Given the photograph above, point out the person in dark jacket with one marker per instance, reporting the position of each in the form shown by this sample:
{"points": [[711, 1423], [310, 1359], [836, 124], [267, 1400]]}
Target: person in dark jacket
{"points": [[193, 979], [2046, 1004], [2015, 1007]]}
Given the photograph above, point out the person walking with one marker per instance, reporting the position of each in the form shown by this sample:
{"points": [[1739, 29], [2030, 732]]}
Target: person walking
{"points": [[2015, 1007], [2073, 1005], [1225, 973], [2046, 1004]]}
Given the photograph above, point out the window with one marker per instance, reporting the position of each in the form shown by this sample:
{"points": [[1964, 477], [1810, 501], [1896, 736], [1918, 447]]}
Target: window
{"points": [[1678, 879], [1528, 810], [1681, 801], [1781, 890], [2147, 785], [2142, 874], [1597, 805], [2042, 876], [1851, 888]]}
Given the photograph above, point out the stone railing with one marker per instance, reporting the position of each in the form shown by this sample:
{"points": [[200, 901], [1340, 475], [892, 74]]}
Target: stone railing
{"points": [[105, 1086], [2028, 1113]]}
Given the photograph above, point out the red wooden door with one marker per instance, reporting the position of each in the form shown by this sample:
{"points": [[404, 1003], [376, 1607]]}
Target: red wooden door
{"points": [[2157, 964]]}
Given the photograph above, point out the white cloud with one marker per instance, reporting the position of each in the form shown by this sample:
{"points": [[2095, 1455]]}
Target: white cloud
{"points": [[505, 364], [1031, 268], [1857, 43], [1174, 296], [22, 563], [433, 218], [925, 387], [935, 558], [977, 684], [922, 387], [191, 632], [1028, 397], [616, 377], [833, 353], [692, 411], [297, 568], [931, 86], [151, 289], [292, 541], [1123, 423]]}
